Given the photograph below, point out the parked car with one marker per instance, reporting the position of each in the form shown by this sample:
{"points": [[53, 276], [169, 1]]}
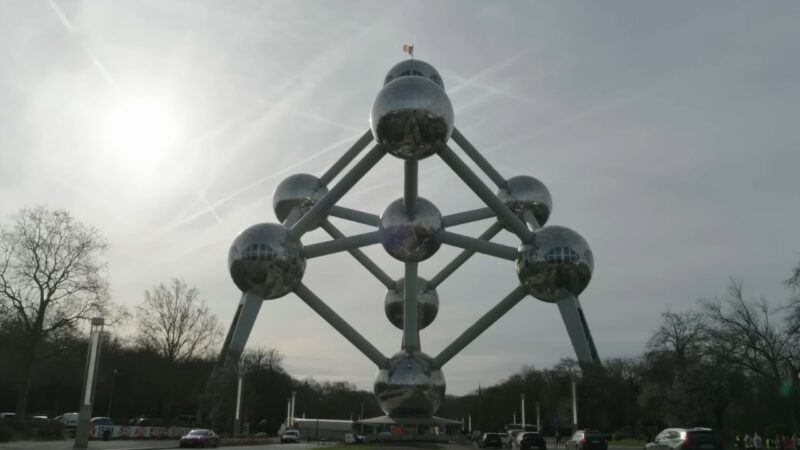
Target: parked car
{"points": [[492, 440], [686, 439], [200, 437], [7, 416], [510, 437], [291, 436], [529, 440], [69, 420], [102, 421], [587, 440]]}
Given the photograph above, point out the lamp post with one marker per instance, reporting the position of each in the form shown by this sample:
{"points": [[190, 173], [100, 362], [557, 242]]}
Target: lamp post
{"points": [[522, 408], [111, 394], [90, 374], [237, 421]]}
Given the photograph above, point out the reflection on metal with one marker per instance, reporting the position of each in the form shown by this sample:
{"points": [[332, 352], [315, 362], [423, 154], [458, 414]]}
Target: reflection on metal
{"points": [[412, 118]]}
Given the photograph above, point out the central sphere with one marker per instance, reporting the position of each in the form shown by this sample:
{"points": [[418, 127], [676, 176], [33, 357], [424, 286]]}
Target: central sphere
{"points": [[427, 303], [301, 191], [555, 264], [410, 385], [266, 261], [412, 117], [527, 193], [410, 239]]}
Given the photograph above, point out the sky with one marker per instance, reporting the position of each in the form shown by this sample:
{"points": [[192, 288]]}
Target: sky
{"points": [[666, 133]]}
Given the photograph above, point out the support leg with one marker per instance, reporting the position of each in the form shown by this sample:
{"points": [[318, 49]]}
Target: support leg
{"points": [[578, 329]]}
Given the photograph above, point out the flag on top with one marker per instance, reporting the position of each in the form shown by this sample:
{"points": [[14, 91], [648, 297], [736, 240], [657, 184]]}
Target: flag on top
{"points": [[409, 48]]}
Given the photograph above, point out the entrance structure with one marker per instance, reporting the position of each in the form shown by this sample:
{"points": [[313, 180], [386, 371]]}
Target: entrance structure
{"points": [[412, 119]]}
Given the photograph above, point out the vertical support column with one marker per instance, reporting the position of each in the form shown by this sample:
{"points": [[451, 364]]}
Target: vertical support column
{"points": [[410, 325], [90, 375], [237, 421], [294, 412], [538, 419], [574, 407], [410, 187], [522, 408]]}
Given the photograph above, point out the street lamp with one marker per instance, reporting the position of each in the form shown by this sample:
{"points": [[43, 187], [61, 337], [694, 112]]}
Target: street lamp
{"points": [[90, 374]]}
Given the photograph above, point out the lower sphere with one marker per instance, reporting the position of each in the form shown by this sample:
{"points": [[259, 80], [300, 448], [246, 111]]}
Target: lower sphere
{"points": [[266, 261], [555, 264], [410, 239], [427, 303], [410, 386]]}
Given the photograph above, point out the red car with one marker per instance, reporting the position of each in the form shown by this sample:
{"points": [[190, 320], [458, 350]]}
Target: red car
{"points": [[199, 438]]}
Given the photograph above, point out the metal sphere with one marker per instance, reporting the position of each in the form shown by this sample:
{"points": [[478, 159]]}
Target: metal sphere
{"points": [[410, 385], [527, 193], [266, 261], [410, 238], [297, 191], [427, 303], [556, 264], [412, 117], [414, 68]]}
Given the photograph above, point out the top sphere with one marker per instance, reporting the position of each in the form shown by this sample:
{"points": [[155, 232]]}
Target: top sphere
{"points": [[555, 264], [414, 68], [297, 191], [527, 193], [266, 261]]}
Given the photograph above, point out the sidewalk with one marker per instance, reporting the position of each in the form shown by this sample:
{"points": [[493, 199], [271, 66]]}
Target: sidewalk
{"points": [[117, 444]]}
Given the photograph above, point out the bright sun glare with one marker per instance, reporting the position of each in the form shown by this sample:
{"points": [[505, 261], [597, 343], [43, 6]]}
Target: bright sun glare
{"points": [[142, 131]]}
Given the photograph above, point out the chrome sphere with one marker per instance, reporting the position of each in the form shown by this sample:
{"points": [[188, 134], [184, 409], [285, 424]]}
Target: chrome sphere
{"points": [[527, 193], [410, 386], [557, 263], [266, 261], [410, 238], [297, 191], [414, 68], [427, 303], [412, 117]]}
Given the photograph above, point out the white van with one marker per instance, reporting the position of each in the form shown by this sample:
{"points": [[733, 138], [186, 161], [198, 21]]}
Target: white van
{"points": [[69, 420]]}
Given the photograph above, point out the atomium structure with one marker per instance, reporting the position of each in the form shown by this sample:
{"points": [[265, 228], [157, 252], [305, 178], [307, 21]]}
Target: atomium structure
{"points": [[412, 119]]}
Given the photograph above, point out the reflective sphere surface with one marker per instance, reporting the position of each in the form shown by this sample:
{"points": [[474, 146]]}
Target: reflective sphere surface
{"points": [[557, 263], [427, 303], [412, 117], [300, 190], [410, 239], [414, 68], [410, 386], [265, 261], [527, 193]]}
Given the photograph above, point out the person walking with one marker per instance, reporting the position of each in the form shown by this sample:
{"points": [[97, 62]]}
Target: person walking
{"points": [[769, 443], [748, 442], [757, 442]]}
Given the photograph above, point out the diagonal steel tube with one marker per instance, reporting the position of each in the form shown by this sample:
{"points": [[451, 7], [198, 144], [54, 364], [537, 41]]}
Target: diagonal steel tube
{"points": [[477, 245], [410, 325], [347, 158], [337, 192], [368, 264], [468, 176], [343, 244], [354, 215], [530, 220], [476, 156], [578, 329], [472, 215], [340, 325], [488, 319], [241, 326], [463, 257]]}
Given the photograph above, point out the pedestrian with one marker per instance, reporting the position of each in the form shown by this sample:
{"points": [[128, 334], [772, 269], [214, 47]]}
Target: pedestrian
{"points": [[788, 443], [748, 442], [769, 443], [739, 442], [757, 442]]}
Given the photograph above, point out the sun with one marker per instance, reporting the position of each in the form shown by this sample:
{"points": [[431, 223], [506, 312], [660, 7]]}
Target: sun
{"points": [[141, 131]]}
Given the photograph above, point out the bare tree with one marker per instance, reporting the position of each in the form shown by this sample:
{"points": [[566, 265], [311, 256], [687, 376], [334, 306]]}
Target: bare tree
{"points": [[50, 279], [176, 323], [680, 334]]}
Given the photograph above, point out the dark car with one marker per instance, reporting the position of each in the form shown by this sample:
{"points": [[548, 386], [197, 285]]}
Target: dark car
{"points": [[492, 440], [529, 440], [587, 440], [200, 437], [686, 439]]}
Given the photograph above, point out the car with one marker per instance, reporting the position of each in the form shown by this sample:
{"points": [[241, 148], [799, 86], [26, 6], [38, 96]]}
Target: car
{"points": [[69, 420], [492, 440], [199, 437], [102, 421], [587, 440], [510, 437], [290, 436], [529, 440], [686, 439]]}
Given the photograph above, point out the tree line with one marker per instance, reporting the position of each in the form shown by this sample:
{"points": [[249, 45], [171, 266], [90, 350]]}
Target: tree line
{"points": [[730, 363]]}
